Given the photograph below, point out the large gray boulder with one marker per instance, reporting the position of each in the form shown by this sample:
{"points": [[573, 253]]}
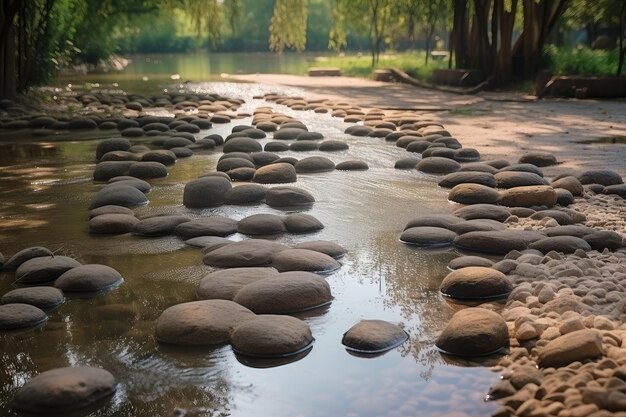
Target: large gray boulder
{"points": [[206, 192]]}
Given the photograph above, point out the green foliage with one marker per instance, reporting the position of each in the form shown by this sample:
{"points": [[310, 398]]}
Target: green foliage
{"points": [[579, 61], [288, 25]]}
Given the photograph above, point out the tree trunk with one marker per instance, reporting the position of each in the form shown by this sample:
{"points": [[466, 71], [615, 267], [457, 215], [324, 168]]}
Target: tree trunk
{"points": [[460, 34], [507, 21], [8, 78], [429, 37], [622, 46]]}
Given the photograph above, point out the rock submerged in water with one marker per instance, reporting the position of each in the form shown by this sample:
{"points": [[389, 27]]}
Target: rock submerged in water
{"points": [[206, 192], [428, 237], [288, 197], [122, 195], [304, 260], [277, 173], [261, 224], [208, 226], [374, 336], [89, 278], [64, 390], [474, 332], [45, 298], [25, 254], [20, 316], [200, 323], [475, 283], [44, 269], [271, 336], [251, 252], [226, 283]]}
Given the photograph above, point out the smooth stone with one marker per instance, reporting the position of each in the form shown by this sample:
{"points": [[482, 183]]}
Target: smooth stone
{"points": [[333, 146], [445, 221], [251, 252], [261, 224], [619, 190], [561, 217], [600, 176], [141, 185], [201, 323], [577, 230], [478, 167], [406, 163], [569, 183], [109, 145], [271, 336], [226, 283], [575, 346], [474, 332], [63, 390], [44, 298], [208, 241], [511, 179], [304, 146], [331, 249], [177, 143], [89, 278], [162, 156], [466, 155], [302, 223], [182, 152], [263, 158], [207, 226], [304, 260], [528, 196], [497, 242], [522, 168], [475, 283], [540, 159], [473, 194], [206, 192], [242, 145], [374, 336], [276, 147], [464, 177], [122, 195], [314, 164], [285, 293], [604, 239], [20, 316], [120, 156], [113, 224], [483, 211], [288, 133], [466, 261], [413, 144], [158, 225], [438, 151], [24, 255], [288, 197], [106, 170], [564, 244], [147, 170], [477, 225], [428, 237], [437, 165], [245, 194], [352, 165], [310, 136], [563, 197], [241, 174], [278, 173], [44, 269]]}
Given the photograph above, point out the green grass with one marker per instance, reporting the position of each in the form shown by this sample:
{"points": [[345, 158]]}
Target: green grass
{"points": [[580, 61], [361, 66]]}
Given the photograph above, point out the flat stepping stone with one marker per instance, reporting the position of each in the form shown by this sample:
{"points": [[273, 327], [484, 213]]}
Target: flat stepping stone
{"points": [[141, 185], [176, 143], [285, 293], [577, 230], [20, 316], [605, 239], [264, 158], [561, 217], [464, 177], [182, 152], [474, 332], [288, 133], [564, 244], [310, 136], [208, 241], [163, 156], [569, 183], [478, 167], [406, 163], [302, 223], [510, 179], [158, 225], [304, 146], [147, 170], [466, 155], [272, 336], [437, 165], [619, 189], [604, 177], [477, 225], [445, 221], [251, 252], [225, 284], [563, 197], [109, 145], [314, 164], [304, 260], [245, 194], [413, 144], [26, 254], [331, 249], [276, 147], [277, 173], [89, 278], [209, 226], [261, 224], [44, 269], [528, 196], [352, 165], [466, 261], [473, 194], [374, 336], [110, 210], [200, 323], [288, 197], [45, 298], [436, 151], [428, 237], [497, 242], [522, 168], [476, 283], [540, 159], [120, 156], [242, 145], [206, 192], [64, 390], [113, 224], [122, 195], [333, 146], [483, 211]]}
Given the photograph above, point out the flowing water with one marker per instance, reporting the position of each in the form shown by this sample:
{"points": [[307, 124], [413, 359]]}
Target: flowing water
{"points": [[45, 190]]}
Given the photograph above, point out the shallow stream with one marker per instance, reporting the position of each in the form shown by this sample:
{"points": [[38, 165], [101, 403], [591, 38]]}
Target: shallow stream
{"points": [[45, 190]]}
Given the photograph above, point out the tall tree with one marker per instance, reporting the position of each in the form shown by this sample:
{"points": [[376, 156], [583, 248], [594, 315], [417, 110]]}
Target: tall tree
{"points": [[288, 25]]}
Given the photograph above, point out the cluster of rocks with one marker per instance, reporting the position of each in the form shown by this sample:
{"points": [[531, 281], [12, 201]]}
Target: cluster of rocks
{"points": [[43, 278]]}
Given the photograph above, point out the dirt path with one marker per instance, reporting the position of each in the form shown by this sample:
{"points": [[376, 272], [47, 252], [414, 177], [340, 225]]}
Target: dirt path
{"points": [[500, 125]]}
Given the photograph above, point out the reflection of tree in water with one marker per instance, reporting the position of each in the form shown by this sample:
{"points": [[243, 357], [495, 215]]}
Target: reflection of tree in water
{"points": [[410, 279]]}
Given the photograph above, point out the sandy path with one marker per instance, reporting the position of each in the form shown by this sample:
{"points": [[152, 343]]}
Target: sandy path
{"points": [[500, 125]]}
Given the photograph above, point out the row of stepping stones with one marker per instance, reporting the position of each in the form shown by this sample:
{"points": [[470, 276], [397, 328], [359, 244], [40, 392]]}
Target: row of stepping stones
{"points": [[42, 279]]}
